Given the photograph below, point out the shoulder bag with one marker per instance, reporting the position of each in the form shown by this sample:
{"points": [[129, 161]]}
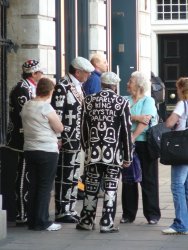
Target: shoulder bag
{"points": [[153, 135], [174, 146]]}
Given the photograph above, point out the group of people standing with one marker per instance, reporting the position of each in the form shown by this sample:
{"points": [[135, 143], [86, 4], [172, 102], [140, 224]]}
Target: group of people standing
{"points": [[50, 123]]}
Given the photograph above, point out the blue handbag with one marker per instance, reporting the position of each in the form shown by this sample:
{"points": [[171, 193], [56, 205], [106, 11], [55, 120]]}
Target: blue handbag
{"points": [[133, 173]]}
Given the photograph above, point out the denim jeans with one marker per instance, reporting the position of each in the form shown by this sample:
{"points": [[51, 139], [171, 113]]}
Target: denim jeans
{"points": [[179, 187]]}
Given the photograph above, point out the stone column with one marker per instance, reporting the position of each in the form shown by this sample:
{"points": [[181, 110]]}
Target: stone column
{"points": [[31, 27], [97, 24]]}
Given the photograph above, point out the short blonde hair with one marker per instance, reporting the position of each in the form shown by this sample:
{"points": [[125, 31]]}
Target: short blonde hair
{"points": [[141, 80], [182, 85]]}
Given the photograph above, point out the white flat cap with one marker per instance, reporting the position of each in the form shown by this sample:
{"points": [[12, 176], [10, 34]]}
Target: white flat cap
{"points": [[82, 63], [110, 78]]}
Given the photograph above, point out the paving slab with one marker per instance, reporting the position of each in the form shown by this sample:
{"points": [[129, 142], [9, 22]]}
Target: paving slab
{"points": [[135, 236]]}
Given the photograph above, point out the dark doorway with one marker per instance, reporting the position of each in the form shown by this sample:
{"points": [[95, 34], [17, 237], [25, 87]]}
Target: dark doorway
{"points": [[124, 57], [173, 63]]}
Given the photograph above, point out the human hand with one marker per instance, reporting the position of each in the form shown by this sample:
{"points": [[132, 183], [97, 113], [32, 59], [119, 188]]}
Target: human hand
{"points": [[145, 119], [126, 164], [59, 143]]}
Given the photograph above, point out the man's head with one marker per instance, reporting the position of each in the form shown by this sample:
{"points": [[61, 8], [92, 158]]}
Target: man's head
{"points": [[110, 80], [81, 68], [32, 68], [99, 62]]}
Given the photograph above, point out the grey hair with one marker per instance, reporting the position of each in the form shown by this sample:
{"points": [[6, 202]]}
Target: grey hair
{"points": [[142, 81]]}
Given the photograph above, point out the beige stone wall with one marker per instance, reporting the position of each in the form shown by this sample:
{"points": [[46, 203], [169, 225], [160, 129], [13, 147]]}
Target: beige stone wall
{"points": [[31, 27], [144, 36]]}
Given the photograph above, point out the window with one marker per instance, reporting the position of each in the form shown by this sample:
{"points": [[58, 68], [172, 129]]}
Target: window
{"points": [[172, 9]]}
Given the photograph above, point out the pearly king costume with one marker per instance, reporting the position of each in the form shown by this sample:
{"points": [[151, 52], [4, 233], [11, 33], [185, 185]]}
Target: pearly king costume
{"points": [[67, 100], [106, 140], [23, 91]]}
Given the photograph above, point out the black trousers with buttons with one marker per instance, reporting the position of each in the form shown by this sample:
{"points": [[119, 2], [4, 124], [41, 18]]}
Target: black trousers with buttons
{"points": [[93, 175]]}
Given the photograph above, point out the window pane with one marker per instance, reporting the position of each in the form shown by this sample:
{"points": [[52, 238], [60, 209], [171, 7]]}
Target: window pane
{"points": [[174, 2], [160, 16], [167, 2], [159, 2], [182, 1], [160, 9], [182, 8], [182, 15], [167, 16], [175, 8], [174, 15], [167, 8]]}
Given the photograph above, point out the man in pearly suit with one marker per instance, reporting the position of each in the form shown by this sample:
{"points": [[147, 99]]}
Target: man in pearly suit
{"points": [[67, 100], [106, 140]]}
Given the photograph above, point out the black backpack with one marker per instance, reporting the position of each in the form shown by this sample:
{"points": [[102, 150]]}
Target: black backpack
{"points": [[157, 89]]}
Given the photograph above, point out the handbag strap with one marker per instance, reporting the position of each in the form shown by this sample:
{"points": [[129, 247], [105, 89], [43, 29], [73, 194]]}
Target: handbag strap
{"points": [[185, 108]]}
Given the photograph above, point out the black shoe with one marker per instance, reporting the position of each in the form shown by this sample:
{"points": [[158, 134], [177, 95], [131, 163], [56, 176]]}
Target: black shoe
{"points": [[125, 220], [84, 227], [112, 229], [67, 219], [21, 223]]}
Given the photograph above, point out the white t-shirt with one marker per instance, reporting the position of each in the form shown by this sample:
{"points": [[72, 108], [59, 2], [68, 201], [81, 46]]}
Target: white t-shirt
{"points": [[38, 135], [181, 112]]}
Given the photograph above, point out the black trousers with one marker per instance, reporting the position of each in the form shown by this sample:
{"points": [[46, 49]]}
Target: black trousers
{"points": [[41, 167], [149, 186], [14, 184], [93, 175], [66, 183], [22, 183]]}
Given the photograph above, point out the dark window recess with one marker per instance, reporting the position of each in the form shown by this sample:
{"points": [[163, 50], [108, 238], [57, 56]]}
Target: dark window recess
{"points": [[4, 45]]}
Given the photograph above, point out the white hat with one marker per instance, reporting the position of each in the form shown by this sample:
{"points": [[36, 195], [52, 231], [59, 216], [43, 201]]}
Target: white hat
{"points": [[110, 78], [82, 63], [31, 66]]}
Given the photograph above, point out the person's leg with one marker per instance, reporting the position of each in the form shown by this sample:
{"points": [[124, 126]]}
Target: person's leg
{"points": [[149, 184], [46, 170], [93, 175], [32, 189], [64, 190], [179, 179], [21, 190], [74, 190], [111, 180], [129, 201]]}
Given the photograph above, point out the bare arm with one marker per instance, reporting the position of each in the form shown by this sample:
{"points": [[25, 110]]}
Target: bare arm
{"points": [[172, 120], [141, 118], [143, 121], [55, 122], [140, 128]]}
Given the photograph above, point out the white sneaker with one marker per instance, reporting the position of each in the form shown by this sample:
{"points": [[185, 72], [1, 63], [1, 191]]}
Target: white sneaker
{"points": [[172, 231], [54, 227]]}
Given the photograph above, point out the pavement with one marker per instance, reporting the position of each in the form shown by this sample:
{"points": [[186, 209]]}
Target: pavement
{"points": [[138, 235]]}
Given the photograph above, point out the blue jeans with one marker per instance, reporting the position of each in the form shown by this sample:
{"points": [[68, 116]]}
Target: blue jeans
{"points": [[179, 187]]}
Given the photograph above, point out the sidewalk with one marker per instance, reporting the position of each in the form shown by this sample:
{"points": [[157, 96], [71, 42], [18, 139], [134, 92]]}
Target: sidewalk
{"points": [[138, 235]]}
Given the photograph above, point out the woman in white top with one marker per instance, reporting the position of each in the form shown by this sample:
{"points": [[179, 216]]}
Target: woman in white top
{"points": [[179, 174], [41, 125]]}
